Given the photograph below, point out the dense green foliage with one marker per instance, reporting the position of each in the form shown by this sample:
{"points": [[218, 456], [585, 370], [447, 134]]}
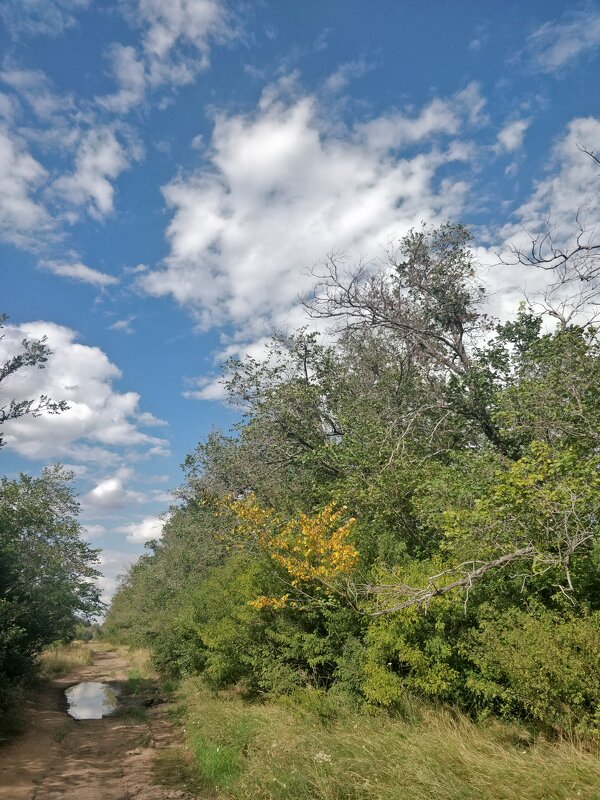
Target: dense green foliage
{"points": [[46, 572], [463, 457], [46, 567]]}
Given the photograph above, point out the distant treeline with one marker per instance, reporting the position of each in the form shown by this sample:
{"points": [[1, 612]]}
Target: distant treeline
{"points": [[410, 505]]}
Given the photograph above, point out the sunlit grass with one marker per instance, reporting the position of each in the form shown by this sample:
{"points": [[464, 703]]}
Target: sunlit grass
{"points": [[278, 752], [61, 659], [138, 659], [102, 646]]}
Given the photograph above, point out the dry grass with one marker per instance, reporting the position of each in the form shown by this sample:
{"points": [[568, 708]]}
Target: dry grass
{"points": [[139, 662], [61, 659], [139, 659], [275, 752], [102, 646]]}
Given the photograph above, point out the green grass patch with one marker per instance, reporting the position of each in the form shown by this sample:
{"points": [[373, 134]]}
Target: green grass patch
{"points": [[138, 684], [218, 764], [310, 751], [168, 685]]}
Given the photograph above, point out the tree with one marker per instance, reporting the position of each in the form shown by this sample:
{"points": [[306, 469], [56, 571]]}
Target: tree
{"points": [[424, 459], [34, 353], [426, 293], [47, 570], [569, 255]]}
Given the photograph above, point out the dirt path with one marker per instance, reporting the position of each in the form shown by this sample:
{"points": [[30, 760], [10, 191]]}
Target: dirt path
{"points": [[105, 759]]}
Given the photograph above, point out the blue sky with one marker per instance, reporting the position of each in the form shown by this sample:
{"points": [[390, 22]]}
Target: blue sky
{"points": [[170, 171]]}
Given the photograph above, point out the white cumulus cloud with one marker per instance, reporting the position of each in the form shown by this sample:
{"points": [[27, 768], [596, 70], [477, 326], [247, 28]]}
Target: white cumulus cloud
{"points": [[564, 204], [511, 136], [100, 422], [176, 38], [168, 28], [101, 157], [571, 185], [130, 75], [283, 190], [112, 492], [144, 530], [22, 213]]}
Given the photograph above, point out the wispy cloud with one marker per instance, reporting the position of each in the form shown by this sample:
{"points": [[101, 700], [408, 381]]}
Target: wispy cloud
{"points": [[80, 272], [557, 44], [101, 157], [40, 17], [176, 40], [130, 75], [23, 215], [36, 89], [42, 196], [123, 325], [348, 72]]}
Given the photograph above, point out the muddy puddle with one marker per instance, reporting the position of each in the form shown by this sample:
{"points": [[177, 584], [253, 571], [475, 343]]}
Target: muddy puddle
{"points": [[90, 700]]}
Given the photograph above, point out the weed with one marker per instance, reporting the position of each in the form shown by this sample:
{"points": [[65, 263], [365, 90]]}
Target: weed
{"points": [[275, 751], [60, 659], [61, 732], [144, 739], [168, 686]]}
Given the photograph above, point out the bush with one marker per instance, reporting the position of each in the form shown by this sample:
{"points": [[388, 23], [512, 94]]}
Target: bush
{"points": [[540, 665]]}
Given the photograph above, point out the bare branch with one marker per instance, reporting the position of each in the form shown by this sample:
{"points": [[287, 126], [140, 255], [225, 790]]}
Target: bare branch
{"points": [[469, 572], [423, 596]]}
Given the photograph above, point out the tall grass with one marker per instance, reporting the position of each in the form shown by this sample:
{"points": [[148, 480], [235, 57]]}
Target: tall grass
{"points": [[279, 752], [139, 661], [60, 659]]}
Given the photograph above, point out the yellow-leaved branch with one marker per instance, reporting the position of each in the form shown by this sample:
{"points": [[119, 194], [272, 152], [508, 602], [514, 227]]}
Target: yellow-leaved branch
{"points": [[315, 550]]}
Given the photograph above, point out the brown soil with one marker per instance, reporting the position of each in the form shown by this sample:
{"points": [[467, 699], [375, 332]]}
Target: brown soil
{"points": [[106, 759]]}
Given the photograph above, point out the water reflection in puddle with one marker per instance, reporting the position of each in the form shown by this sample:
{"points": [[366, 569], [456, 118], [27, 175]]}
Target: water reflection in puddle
{"points": [[91, 700]]}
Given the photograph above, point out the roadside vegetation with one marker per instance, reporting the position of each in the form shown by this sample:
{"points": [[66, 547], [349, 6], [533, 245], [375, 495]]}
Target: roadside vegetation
{"points": [[59, 659], [314, 747], [404, 524], [46, 566]]}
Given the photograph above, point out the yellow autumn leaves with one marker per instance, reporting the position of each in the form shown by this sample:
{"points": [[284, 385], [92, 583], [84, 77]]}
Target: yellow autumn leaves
{"points": [[314, 549]]}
